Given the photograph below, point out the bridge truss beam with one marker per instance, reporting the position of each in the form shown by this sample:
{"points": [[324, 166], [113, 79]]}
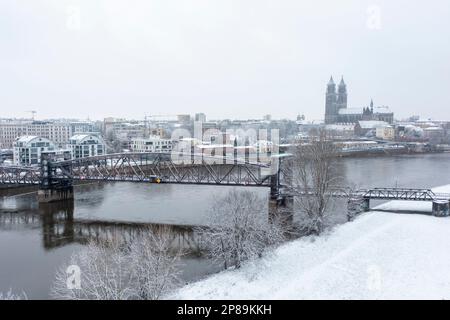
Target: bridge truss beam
{"points": [[161, 167]]}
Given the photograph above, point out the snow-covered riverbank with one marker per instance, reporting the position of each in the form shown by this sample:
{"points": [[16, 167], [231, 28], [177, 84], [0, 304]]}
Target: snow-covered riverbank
{"points": [[380, 255]]}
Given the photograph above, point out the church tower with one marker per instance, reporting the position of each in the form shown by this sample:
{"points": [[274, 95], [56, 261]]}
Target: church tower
{"points": [[342, 95], [331, 111]]}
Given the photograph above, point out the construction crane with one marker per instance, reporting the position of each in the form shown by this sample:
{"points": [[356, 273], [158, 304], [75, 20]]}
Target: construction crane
{"points": [[33, 113]]}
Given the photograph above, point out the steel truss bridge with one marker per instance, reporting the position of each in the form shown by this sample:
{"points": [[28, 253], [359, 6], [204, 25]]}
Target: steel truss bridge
{"points": [[194, 169], [408, 194], [402, 194], [149, 167]]}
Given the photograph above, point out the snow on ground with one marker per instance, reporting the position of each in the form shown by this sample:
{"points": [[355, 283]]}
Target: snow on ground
{"points": [[380, 255]]}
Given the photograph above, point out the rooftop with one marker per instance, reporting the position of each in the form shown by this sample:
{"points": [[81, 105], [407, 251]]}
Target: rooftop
{"points": [[380, 109], [29, 139], [371, 124], [82, 137]]}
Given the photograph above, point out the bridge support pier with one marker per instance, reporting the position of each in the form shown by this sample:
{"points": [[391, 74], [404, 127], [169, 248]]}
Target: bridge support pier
{"points": [[441, 208], [356, 205], [50, 189], [57, 194], [366, 204]]}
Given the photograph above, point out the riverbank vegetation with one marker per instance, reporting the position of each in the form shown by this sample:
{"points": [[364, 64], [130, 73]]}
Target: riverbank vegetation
{"points": [[238, 230], [146, 269]]}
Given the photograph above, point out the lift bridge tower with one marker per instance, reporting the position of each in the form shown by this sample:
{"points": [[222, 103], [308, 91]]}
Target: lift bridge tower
{"points": [[53, 189]]}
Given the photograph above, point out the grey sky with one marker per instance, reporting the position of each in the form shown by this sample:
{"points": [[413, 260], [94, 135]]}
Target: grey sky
{"points": [[226, 58]]}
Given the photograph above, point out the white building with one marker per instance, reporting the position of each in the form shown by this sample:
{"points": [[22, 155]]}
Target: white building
{"points": [[385, 132], [28, 150], [87, 145], [341, 129], [83, 127], [369, 127], [151, 144]]}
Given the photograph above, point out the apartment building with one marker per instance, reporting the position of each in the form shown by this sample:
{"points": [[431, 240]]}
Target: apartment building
{"points": [[58, 133], [87, 145], [151, 144]]}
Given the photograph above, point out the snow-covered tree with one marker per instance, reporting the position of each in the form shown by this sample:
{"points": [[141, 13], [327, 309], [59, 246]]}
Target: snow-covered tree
{"points": [[154, 265], [239, 229], [9, 295], [313, 179], [114, 270], [104, 273]]}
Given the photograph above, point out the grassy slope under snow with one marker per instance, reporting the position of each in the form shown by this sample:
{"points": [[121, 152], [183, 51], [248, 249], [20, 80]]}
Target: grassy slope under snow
{"points": [[380, 255]]}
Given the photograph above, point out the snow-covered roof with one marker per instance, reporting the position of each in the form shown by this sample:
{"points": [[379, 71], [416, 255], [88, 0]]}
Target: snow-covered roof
{"points": [[151, 138], [372, 124], [350, 111], [359, 142], [29, 139], [213, 146], [79, 138], [433, 129], [340, 127], [26, 139], [244, 147]]}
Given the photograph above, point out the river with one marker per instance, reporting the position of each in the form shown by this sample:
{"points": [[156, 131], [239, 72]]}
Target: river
{"points": [[30, 253]]}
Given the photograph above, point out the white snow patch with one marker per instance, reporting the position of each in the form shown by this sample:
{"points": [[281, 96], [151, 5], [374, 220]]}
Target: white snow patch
{"points": [[380, 255]]}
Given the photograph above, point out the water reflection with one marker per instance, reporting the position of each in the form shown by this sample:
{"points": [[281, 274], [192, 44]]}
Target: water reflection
{"points": [[60, 228]]}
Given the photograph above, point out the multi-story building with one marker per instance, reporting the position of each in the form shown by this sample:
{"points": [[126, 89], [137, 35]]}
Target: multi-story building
{"points": [[87, 145], [86, 127], [123, 129], [58, 132], [385, 132], [157, 132], [28, 150], [151, 144], [200, 117], [10, 130], [369, 128], [183, 118]]}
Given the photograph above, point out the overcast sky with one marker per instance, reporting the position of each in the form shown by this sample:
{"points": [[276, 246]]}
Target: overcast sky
{"points": [[226, 58]]}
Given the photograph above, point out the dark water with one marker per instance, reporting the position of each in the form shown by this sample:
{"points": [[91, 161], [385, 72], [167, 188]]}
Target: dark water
{"points": [[35, 240]]}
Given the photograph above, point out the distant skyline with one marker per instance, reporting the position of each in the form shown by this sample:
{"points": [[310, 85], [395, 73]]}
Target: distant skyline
{"points": [[228, 59]]}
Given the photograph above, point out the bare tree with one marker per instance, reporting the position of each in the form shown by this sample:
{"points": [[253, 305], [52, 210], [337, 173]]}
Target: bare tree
{"points": [[105, 274], [113, 270], [314, 177], [239, 229], [154, 264]]}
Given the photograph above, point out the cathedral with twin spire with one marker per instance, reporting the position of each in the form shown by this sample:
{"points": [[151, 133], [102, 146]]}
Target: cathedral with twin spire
{"points": [[336, 110]]}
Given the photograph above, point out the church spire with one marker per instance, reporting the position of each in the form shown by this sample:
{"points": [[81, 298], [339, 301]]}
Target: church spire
{"points": [[342, 83], [331, 82]]}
